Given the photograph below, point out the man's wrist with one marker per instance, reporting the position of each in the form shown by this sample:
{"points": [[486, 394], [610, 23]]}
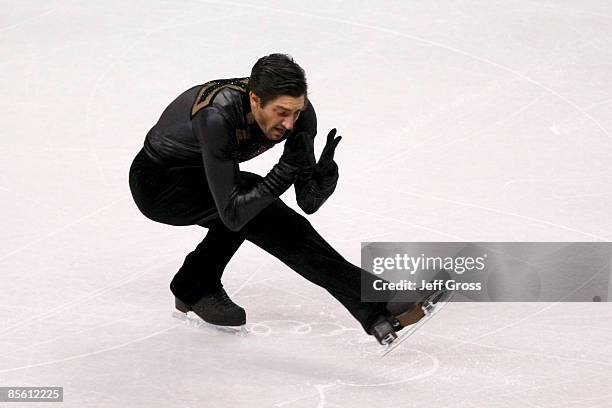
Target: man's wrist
{"points": [[280, 177], [288, 166]]}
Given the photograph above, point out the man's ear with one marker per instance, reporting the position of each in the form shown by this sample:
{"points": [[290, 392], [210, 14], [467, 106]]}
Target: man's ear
{"points": [[254, 98]]}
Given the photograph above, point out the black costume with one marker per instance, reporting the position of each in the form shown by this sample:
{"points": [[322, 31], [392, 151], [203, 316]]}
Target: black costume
{"points": [[187, 173]]}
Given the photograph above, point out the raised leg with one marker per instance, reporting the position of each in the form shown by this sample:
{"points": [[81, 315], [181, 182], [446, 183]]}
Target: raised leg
{"points": [[290, 237]]}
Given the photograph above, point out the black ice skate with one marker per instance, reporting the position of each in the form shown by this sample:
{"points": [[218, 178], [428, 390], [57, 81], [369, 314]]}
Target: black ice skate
{"points": [[382, 329], [409, 315], [217, 309]]}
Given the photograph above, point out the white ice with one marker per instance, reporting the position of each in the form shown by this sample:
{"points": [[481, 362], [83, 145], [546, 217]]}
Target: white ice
{"points": [[462, 121]]}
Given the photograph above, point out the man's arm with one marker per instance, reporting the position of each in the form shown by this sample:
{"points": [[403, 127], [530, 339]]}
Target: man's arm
{"points": [[314, 183], [236, 204], [311, 190]]}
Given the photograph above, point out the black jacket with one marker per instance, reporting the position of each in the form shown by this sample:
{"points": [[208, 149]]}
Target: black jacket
{"points": [[211, 125]]}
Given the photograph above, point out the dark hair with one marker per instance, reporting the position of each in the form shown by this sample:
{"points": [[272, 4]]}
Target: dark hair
{"points": [[275, 75]]}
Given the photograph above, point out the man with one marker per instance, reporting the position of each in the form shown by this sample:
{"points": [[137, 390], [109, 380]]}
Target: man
{"points": [[188, 173]]}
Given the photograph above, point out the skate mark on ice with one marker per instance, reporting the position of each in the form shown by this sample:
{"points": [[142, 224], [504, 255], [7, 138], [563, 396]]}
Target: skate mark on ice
{"points": [[435, 365], [481, 207], [92, 353], [322, 389], [266, 328], [397, 220], [283, 326], [88, 296], [246, 282], [62, 228], [29, 19], [56, 338]]}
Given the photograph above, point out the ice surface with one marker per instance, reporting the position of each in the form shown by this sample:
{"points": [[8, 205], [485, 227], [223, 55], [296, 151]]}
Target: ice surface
{"points": [[469, 121]]}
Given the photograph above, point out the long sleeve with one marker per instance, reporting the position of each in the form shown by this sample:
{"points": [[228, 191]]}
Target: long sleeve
{"points": [[236, 202], [312, 190]]}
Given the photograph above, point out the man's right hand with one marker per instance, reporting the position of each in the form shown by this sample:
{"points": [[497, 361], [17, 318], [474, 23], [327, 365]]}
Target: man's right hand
{"points": [[299, 148], [296, 156]]}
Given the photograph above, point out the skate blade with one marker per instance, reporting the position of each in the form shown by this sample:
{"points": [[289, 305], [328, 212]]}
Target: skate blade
{"points": [[439, 297], [430, 311], [192, 320]]}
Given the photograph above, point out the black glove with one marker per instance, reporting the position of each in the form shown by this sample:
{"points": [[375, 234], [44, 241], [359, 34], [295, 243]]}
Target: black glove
{"points": [[326, 164], [299, 148]]}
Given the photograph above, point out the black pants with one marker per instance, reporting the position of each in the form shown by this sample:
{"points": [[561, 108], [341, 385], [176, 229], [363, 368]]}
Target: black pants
{"points": [[180, 196]]}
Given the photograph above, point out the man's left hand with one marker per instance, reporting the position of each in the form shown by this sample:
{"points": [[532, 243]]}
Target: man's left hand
{"points": [[325, 165]]}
